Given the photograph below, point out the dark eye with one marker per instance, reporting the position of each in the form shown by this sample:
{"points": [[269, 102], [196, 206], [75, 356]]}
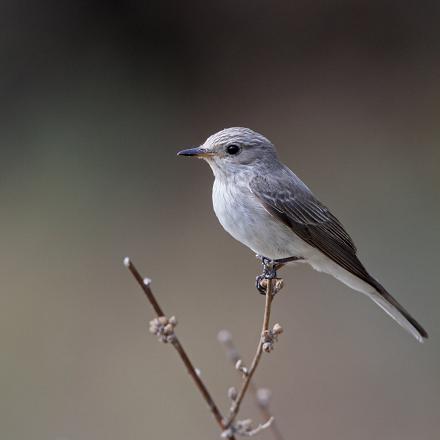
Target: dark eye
{"points": [[232, 149]]}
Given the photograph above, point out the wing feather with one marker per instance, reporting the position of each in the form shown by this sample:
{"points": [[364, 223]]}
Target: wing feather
{"points": [[286, 197]]}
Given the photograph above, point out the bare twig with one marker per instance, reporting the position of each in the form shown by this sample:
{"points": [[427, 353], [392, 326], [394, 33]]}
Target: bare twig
{"points": [[235, 408], [261, 395], [145, 285]]}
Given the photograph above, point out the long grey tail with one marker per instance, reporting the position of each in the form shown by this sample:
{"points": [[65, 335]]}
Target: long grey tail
{"points": [[385, 301]]}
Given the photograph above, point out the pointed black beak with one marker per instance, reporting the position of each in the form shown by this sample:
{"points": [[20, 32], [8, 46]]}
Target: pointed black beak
{"points": [[198, 152]]}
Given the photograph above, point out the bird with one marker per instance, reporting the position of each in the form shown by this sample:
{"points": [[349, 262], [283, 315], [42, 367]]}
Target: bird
{"points": [[264, 205]]}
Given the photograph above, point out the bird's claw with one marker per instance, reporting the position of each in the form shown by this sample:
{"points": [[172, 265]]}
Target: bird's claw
{"points": [[269, 273], [261, 289]]}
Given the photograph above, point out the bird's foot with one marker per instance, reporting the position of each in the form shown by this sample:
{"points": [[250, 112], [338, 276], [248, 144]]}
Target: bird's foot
{"points": [[261, 289], [270, 268]]}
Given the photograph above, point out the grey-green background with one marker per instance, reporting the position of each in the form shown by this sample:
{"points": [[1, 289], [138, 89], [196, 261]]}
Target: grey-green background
{"points": [[96, 98]]}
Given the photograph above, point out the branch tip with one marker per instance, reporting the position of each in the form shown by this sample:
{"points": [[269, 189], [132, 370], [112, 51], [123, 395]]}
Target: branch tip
{"points": [[163, 327]]}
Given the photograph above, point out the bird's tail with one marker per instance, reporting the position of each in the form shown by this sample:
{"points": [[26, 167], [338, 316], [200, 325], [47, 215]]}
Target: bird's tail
{"points": [[386, 302]]}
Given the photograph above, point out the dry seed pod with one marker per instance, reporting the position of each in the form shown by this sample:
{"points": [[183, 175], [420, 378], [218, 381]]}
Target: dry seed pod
{"points": [[277, 329], [279, 284], [168, 329], [163, 320]]}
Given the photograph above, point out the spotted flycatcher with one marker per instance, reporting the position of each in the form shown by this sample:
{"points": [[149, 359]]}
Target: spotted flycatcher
{"points": [[265, 206]]}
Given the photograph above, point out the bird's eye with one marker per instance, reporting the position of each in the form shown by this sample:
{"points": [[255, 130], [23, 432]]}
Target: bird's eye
{"points": [[232, 149]]}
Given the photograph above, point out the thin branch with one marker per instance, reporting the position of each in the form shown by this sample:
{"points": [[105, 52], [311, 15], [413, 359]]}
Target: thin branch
{"points": [[145, 285], [262, 402], [235, 408]]}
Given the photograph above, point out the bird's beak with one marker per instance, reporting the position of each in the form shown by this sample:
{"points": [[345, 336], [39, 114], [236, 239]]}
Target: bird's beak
{"points": [[197, 152]]}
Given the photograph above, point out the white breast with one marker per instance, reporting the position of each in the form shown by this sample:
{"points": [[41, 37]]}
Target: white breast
{"points": [[243, 216]]}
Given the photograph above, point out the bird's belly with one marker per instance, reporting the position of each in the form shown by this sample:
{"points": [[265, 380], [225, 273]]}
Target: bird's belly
{"points": [[243, 216]]}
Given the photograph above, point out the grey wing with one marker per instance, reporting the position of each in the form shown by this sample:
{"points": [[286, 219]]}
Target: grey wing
{"points": [[286, 197]]}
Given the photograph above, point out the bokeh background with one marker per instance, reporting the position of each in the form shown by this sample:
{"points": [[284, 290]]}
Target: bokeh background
{"points": [[96, 98]]}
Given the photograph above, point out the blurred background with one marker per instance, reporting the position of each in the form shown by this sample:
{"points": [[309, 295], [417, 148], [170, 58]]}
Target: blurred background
{"points": [[96, 100]]}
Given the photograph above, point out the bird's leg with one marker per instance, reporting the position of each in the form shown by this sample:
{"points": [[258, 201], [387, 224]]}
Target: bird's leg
{"points": [[270, 268]]}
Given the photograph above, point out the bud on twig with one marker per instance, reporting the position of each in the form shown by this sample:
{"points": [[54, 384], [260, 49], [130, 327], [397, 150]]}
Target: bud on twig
{"points": [[277, 329], [244, 428], [164, 328], [232, 393], [240, 367], [224, 336], [270, 337], [263, 397]]}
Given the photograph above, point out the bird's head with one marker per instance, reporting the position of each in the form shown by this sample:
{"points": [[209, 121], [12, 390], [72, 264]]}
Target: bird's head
{"points": [[234, 149]]}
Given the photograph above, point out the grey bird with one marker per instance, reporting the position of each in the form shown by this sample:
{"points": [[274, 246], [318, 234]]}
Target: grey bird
{"points": [[265, 206]]}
